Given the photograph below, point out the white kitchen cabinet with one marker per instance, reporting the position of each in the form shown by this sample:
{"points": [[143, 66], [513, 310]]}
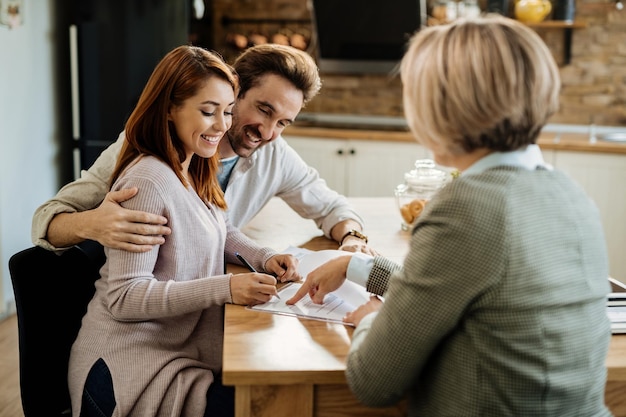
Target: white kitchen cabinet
{"points": [[359, 168], [603, 177], [322, 154], [548, 156]]}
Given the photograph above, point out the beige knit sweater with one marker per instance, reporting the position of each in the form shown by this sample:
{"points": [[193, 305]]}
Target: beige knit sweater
{"points": [[157, 317]]}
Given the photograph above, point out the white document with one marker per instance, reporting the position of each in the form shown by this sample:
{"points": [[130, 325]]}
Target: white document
{"points": [[616, 306], [336, 304], [617, 315], [617, 296]]}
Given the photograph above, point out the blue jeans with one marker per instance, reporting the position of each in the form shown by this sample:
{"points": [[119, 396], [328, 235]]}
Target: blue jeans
{"points": [[98, 395], [220, 399], [99, 398]]}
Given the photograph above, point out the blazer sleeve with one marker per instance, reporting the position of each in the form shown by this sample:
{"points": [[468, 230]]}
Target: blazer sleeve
{"points": [[378, 280]]}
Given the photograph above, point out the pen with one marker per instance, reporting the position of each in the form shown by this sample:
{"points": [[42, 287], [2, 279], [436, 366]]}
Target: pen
{"points": [[247, 265]]}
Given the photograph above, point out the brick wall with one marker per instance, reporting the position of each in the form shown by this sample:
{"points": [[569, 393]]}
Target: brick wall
{"points": [[594, 82]]}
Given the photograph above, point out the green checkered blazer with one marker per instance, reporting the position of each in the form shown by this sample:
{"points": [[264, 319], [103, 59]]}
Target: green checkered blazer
{"points": [[499, 308]]}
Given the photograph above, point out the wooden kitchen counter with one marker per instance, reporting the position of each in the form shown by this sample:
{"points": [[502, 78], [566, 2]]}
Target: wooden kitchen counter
{"points": [[290, 366], [577, 142]]}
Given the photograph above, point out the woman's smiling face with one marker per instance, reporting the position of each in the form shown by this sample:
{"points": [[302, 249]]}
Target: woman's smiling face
{"points": [[201, 120]]}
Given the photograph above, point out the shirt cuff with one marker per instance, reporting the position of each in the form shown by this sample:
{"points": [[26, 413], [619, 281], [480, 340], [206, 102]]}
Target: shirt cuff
{"points": [[359, 268]]}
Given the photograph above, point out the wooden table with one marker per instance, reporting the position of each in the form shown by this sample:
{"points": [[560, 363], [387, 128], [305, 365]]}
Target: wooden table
{"points": [[288, 366]]}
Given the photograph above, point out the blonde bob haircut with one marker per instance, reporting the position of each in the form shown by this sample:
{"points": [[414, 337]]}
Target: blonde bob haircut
{"points": [[486, 82]]}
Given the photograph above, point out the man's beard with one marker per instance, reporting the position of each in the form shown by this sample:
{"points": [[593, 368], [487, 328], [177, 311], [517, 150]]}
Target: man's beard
{"points": [[236, 138]]}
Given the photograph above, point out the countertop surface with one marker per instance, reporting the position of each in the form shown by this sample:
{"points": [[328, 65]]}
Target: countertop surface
{"points": [[578, 138]]}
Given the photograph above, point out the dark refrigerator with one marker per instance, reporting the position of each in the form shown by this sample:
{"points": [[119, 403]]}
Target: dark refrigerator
{"points": [[114, 46]]}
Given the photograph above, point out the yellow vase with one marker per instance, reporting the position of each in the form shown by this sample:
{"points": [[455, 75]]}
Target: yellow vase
{"points": [[532, 11]]}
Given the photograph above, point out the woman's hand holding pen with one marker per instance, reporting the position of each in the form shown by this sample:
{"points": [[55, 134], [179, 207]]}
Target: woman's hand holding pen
{"points": [[283, 266], [252, 288], [258, 288]]}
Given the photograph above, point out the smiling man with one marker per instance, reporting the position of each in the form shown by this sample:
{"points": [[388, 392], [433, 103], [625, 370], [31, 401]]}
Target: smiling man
{"points": [[257, 164]]}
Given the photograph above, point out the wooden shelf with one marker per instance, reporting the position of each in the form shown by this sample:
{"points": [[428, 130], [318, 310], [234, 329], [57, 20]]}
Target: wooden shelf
{"points": [[557, 24]]}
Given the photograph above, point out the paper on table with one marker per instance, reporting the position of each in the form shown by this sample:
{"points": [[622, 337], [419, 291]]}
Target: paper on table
{"points": [[336, 304], [617, 296], [617, 315], [616, 306]]}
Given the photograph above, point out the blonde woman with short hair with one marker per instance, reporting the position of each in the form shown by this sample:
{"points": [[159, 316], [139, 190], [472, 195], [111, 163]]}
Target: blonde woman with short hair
{"points": [[500, 306]]}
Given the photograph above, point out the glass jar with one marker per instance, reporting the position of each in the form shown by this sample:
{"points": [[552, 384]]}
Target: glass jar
{"points": [[444, 11], [420, 185], [471, 9]]}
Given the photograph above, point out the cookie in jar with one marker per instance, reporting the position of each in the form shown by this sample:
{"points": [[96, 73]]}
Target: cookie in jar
{"points": [[420, 185]]}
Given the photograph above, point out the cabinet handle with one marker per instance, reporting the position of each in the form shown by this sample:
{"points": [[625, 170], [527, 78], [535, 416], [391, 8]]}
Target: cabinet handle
{"points": [[352, 151], [339, 151]]}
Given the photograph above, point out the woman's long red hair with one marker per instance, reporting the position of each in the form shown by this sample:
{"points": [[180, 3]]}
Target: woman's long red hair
{"points": [[179, 76]]}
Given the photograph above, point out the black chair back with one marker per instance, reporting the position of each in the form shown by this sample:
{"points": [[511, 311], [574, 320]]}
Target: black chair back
{"points": [[51, 297]]}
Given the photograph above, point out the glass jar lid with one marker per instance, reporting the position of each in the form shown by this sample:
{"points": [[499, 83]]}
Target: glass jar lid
{"points": [[426, 175]]}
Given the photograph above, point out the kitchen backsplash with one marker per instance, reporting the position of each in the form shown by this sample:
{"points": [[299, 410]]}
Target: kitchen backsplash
{"points": [[594, 82]]}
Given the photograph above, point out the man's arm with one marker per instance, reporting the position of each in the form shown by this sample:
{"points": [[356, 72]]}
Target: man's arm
{"points": [[306, 193], [83, 210], [111, 225], [349, 234]]}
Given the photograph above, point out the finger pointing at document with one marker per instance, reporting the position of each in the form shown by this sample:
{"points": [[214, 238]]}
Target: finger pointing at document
{"points": [[322, 280]]}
